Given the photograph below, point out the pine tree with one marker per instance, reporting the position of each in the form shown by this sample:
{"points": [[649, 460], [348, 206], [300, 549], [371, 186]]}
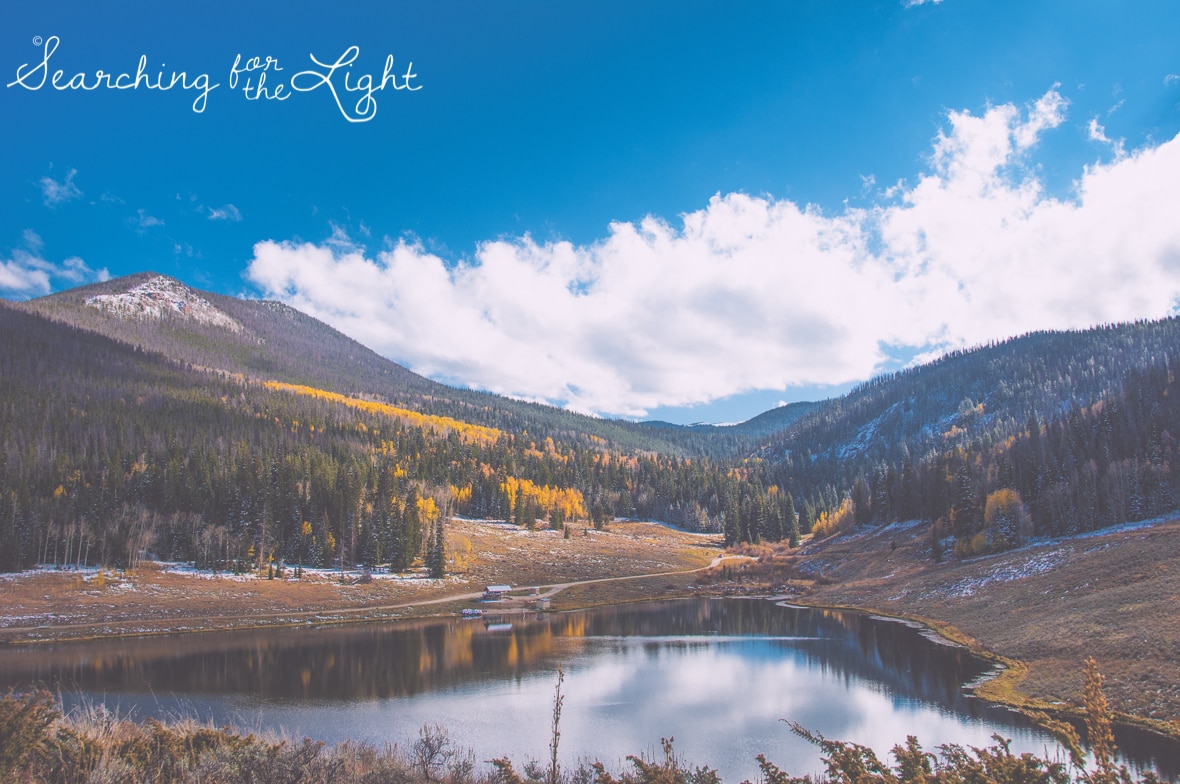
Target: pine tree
{"points": [[792, 523], [436, 555]]}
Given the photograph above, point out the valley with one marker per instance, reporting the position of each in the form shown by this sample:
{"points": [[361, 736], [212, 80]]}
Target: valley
{"points": [[1019, 497], [1042, 608]]}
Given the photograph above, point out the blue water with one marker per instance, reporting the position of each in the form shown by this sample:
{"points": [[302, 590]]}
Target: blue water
{"points": [[720, 676]]}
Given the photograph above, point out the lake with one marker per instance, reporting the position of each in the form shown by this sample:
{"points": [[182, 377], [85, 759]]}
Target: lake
{"points": [[717, 675]]}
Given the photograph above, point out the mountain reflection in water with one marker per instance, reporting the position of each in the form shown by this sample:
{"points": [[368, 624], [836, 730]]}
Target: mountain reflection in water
{"points": [[717, 674]]}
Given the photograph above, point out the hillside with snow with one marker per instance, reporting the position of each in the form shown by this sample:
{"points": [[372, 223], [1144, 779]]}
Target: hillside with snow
{"points": [[162, 297]]}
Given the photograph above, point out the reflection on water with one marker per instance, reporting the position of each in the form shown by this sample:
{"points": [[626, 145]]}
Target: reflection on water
{"points": [[717, 675]]}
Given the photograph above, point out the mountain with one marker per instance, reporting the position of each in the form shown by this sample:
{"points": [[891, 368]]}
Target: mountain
{"points": [[266, 340], [1079, 422], [995, 389]]}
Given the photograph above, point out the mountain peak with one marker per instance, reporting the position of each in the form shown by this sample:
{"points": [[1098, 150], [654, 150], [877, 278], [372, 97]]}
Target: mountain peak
{"points": [[160, 296]]}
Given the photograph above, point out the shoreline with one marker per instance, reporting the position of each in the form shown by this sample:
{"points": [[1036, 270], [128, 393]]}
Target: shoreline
{"points": [[201, 607], [1000, 687]]}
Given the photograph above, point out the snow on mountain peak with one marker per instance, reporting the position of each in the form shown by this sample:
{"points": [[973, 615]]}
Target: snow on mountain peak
{"points": [[162, 295]]}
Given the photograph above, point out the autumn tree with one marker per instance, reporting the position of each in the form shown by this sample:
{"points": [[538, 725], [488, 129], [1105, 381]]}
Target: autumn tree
{"points": [[1005, 519]]}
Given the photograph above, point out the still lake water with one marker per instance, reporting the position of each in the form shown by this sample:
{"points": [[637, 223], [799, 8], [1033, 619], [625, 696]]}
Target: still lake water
{"points": [[718, 675]]}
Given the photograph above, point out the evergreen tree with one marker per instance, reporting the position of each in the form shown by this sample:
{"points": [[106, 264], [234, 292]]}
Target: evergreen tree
{"points": [[436, 555], [792, 524]]}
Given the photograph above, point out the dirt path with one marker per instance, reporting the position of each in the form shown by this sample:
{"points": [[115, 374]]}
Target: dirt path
{"points": [[554, 589]]}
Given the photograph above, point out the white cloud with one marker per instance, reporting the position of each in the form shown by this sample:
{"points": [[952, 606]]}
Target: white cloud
{"points": [[141, 221], [54, 193], [32, 240], [1098, 134], [914, 3], [755, 293], [1171, 79], [226, 213], [25, 273]]}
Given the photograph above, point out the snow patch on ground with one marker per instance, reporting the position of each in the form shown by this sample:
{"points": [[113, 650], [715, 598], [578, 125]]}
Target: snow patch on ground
{"points": [[413, 577], [88, 572], [1038, 564]]}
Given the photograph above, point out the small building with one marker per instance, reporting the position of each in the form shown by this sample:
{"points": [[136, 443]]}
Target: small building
{"points": [[543, 603], [496, 593]]}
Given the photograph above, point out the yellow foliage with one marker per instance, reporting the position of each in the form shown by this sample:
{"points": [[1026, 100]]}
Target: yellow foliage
{"points": [[427, 509], [1005, 518], [1003, 497], [830, 523], [468, 432], [966, 548], [954, 432], [568, 501], [461, 553], [1098, 725]]}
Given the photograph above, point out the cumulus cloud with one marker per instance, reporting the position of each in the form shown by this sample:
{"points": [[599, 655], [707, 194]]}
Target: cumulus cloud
{"points": [[754, 293], [914, 3], [25, 273], [54, 193]]}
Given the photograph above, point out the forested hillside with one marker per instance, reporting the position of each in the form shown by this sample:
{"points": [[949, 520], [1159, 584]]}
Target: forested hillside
{"points": [[1052, 432], [139, 416], [111, 452]]}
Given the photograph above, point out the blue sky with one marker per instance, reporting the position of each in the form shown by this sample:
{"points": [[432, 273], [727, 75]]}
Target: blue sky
{"points": [[689, 211]]}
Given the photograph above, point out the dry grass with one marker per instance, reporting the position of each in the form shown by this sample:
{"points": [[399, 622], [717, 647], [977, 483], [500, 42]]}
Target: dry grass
{"points": [[623, 591], [64, 605], [508, 554]]}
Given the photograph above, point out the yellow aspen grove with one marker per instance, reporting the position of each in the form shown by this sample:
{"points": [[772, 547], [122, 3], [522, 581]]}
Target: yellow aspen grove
{"points": [[461, 495], [468, 432], [427, 509], [836, 521], [567, 503]]}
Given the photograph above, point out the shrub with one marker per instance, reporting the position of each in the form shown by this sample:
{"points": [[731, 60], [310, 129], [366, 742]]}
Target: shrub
{"points": [[25, 736]]}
